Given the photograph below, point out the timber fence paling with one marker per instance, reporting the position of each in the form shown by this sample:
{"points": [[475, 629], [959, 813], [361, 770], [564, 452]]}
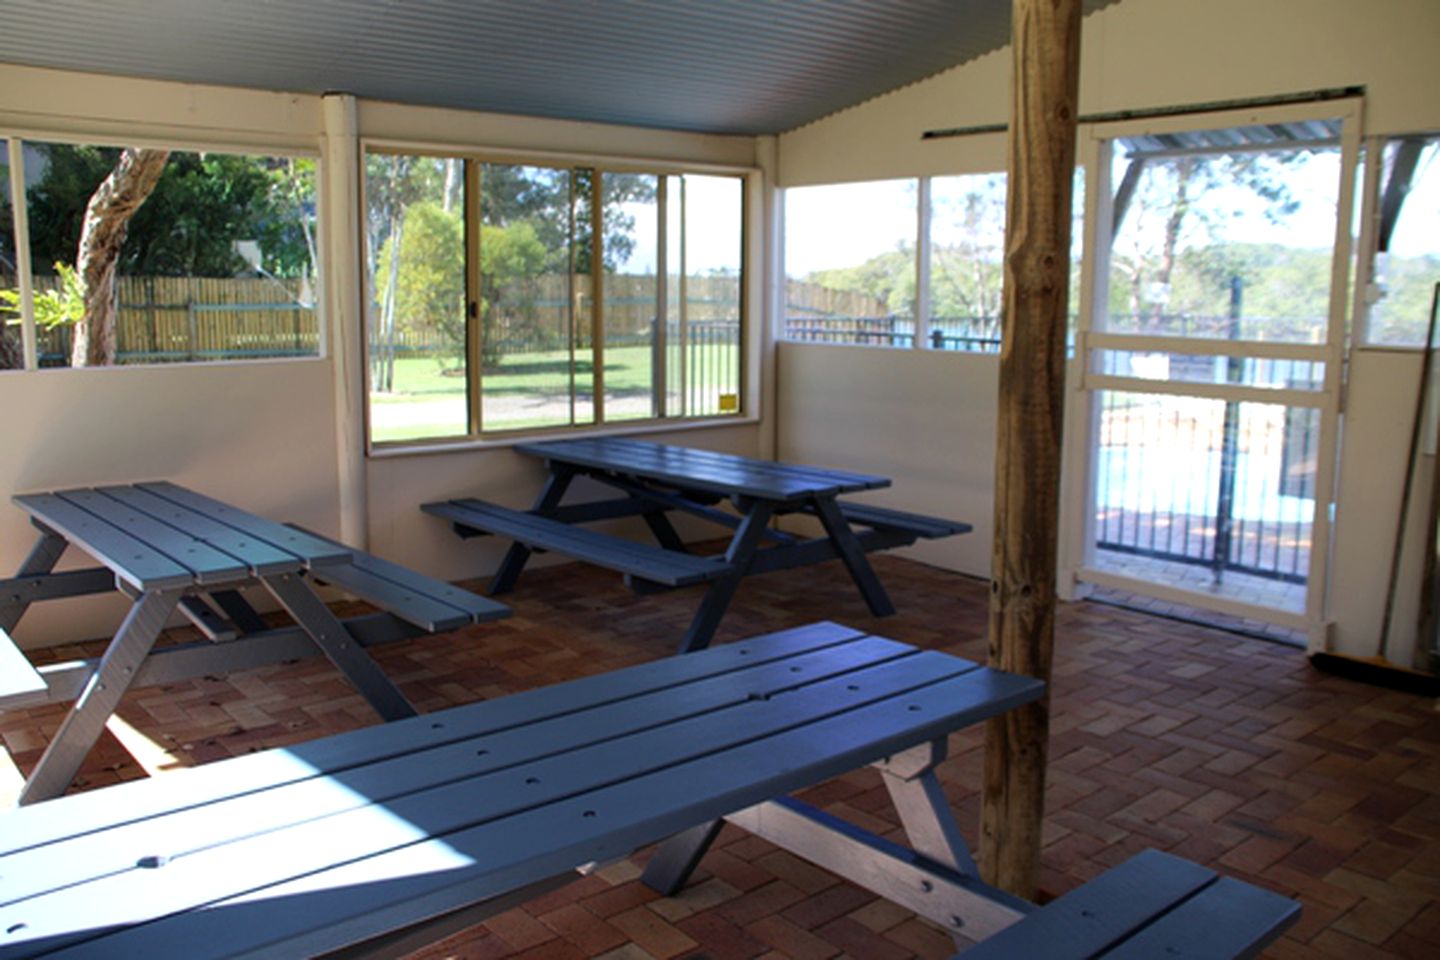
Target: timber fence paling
{"points": [[185, 318]]}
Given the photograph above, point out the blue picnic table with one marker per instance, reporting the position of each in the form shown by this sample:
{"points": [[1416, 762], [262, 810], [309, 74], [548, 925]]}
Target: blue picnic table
{"points": [[653, 480], [171, 549], [378, 841]]}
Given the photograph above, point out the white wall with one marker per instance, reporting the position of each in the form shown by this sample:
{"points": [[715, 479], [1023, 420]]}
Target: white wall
{"points": [[924, 418], [1136, 54]]}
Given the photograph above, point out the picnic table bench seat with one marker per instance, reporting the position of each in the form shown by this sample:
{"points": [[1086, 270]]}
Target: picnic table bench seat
{"points": [[670, 568], [426, 602], [918, 525], [1154, 905]]}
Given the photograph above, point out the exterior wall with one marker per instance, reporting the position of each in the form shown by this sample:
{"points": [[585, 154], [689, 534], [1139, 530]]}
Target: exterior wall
{"points": [[1136, 54]]}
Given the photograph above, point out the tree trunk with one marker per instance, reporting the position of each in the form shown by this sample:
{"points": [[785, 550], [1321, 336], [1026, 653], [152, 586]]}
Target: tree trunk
{"points": [[1045, 80], [107, 217]]}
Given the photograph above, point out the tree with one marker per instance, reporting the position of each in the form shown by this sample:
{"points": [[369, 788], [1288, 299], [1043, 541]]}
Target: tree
{"points": [[107, 217]]}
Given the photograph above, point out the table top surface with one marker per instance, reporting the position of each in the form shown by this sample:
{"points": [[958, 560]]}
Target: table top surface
{"points": [[688, 468], [303, 849], [158, 536]]}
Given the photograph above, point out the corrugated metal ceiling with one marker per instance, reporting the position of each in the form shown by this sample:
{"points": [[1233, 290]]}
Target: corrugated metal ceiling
{"points": [[724, 66]]}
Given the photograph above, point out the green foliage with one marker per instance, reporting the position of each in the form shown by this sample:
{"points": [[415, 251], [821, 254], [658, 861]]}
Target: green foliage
{"points": [[889, 278], [430, 285], [188, 226], [53, 308], [509, 257]]}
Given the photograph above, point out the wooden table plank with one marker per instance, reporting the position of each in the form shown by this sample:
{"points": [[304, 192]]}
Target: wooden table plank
{"points": [[312, 550], [262, 558], [60, 864], [86, 812], [135, 562], [464, 846], [726, 474], [207, 564]]}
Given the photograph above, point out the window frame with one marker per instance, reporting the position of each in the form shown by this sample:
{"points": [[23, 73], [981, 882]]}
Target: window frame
{"points": [[748, 178], [16, 137]]}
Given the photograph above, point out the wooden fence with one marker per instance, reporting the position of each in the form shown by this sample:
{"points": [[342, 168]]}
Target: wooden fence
{"points": [[166, 319]]}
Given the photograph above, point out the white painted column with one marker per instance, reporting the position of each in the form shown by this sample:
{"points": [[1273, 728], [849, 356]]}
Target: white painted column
{"points": [[19, 211], [766, 278], [344, 308]]}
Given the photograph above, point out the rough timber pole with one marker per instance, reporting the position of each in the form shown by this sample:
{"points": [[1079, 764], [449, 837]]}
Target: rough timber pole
{"points": [[1045, 79]]}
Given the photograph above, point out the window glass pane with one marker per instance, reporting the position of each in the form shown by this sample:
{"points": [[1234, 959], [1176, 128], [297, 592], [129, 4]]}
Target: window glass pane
{"points": [[12, 356], [850, 263], [632, 289], [1214, 496], [415, 264], [1408, 264], [1224, 245], [710, 336], [190, 256], [535, 296], [967, 248]]}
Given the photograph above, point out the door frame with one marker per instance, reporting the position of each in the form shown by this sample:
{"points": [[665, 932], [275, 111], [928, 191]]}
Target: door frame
{"points": [[1082, 428]]}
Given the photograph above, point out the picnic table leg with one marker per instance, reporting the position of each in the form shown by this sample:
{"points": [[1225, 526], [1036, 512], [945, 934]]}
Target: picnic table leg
{"points": [[234, 605], [77, 734], [843, 538], [664, 531], [924, 811], [336, 642], [40, 561], [670, 868], [738, 555], [516, 557]]}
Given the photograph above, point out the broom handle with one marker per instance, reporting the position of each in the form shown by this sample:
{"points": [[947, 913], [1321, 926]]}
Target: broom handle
{"points": [[1409, 477]]}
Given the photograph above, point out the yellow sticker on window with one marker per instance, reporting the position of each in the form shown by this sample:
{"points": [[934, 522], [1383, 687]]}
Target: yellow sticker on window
{"points": [[729, 402]]}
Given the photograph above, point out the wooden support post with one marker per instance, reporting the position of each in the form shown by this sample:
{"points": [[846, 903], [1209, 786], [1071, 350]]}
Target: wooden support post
{"points": [[1045, 80]]}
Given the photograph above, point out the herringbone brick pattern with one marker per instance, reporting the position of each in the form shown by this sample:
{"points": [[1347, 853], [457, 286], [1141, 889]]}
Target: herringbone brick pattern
{"points": [[1222, 749]]}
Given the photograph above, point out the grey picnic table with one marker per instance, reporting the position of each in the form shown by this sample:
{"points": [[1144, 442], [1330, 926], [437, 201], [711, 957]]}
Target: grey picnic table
{"points": [[379, 841], [172, 549], [653, 480]]}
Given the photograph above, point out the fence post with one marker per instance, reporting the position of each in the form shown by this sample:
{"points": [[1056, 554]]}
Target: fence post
{"points": [[1229, 445], [192, 328]]}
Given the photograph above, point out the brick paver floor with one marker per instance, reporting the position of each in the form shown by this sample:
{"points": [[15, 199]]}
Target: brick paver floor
{"points": [[1221, 748]]}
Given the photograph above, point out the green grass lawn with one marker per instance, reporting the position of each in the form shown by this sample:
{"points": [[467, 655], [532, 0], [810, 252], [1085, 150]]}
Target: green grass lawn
{"points": [[529, 376]]}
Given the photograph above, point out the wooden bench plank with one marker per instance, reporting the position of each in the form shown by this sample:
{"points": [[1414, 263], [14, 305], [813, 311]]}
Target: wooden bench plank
{"points": [[262, 558], [20, 682], [919, 524], [782, 744], [1228, 919], [616, 553], [1090, 920], [86, 812], [205, 562], [60, 864], [424, 601], [135, 562], [313, 551]]}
